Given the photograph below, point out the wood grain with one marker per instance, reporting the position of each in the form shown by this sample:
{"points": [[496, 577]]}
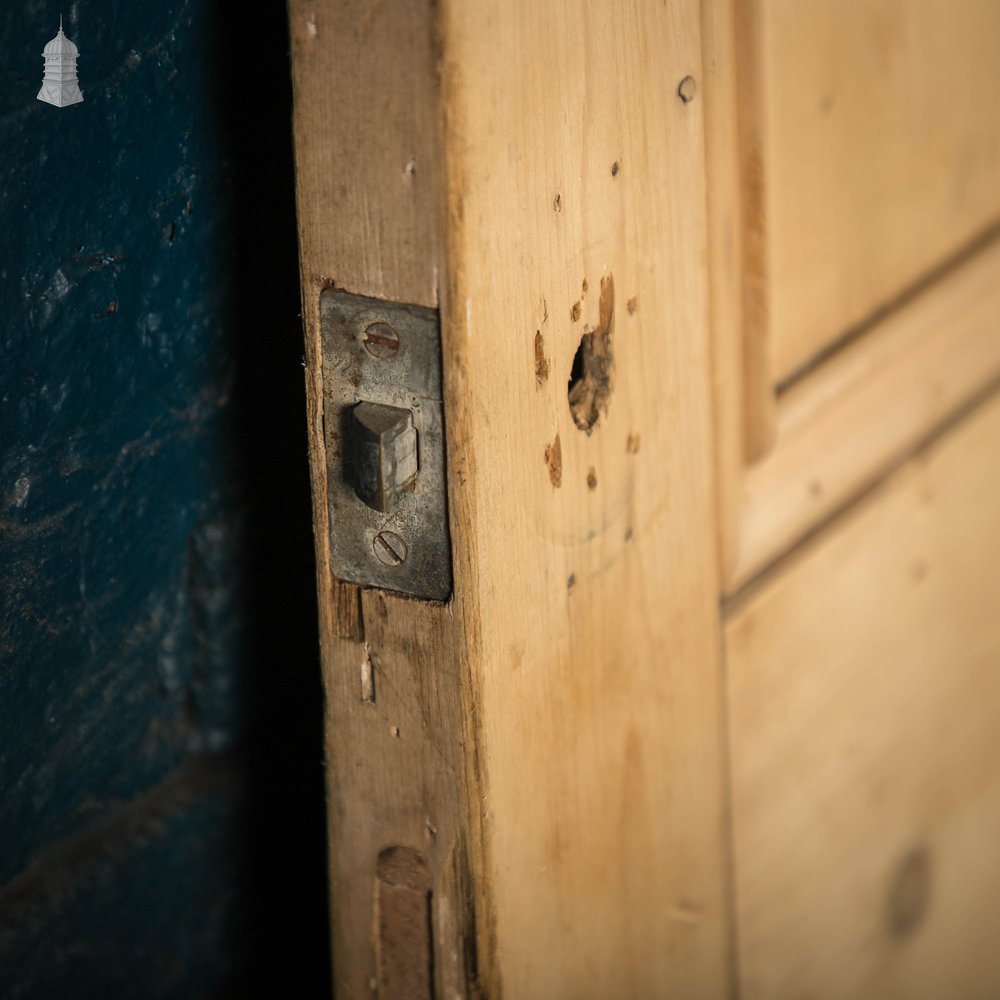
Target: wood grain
{"points": [[371, 220], [576, 195], [550, 741], [842, 427], [880, 155], [865, 730], [366, 94]]}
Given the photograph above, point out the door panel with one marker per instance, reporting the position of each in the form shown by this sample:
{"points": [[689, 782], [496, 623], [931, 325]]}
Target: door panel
{"points": [[880, 153], [864, 699], [621, 215], [854, 417]]}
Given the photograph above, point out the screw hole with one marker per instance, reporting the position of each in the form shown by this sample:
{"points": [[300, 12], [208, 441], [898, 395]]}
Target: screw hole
{"points": [[686, 89]]}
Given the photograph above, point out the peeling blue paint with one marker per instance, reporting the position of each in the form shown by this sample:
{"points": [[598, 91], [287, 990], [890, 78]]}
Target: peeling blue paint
{"points": [[138, 438]]}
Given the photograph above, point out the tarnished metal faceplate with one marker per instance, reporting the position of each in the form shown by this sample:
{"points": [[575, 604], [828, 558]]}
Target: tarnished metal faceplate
{"points": [[376, 369]]}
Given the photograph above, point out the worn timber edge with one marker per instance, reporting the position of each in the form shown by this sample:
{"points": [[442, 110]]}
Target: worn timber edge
{"points": [[400, 737], [759, 404], [725, 247]]}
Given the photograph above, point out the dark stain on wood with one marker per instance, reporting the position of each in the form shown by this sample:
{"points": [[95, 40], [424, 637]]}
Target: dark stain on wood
{"points": [[909, 894], [542, 363], [553, 459]]}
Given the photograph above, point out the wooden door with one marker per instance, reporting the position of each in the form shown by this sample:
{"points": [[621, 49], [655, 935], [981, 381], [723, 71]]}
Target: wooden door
{"points": [[712, 706]]}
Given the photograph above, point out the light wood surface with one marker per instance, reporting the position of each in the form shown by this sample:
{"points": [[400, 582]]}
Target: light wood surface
{"points": [[864, 702], [725, 245], [550, 741], [880, 155], [371, 220], [854, 416], [539, 766], [759, 426], [368, 168], [577, 204]]}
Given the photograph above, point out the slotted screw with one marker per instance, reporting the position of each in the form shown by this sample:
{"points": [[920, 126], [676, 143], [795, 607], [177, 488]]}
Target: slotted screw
{"points": [[390, 549], [381, 341]]}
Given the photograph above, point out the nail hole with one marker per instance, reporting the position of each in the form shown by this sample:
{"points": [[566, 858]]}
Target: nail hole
{"points": [[686, 89]]}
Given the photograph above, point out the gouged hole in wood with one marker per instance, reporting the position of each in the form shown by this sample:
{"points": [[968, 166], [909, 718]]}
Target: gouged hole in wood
{"points": [[404, 943], [591, 377]]}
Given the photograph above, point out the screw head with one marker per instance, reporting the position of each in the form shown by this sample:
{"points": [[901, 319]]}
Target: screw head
{"points": [[389, 548], [381, 341]]}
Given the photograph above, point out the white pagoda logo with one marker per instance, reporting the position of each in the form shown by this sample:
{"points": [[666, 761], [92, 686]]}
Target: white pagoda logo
{"points": [[59, 86]]}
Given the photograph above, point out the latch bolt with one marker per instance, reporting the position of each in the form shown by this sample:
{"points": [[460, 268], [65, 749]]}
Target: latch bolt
{"points": [[384, 453]]}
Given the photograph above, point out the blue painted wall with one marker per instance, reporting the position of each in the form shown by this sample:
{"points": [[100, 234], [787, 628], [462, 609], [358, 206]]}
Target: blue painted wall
{"points": [[161, 821]]}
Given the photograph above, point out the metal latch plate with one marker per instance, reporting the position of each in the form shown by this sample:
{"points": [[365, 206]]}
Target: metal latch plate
{"points": [[385, 353]]}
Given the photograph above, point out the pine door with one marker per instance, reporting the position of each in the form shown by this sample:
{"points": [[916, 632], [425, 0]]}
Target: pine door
{"points": [[657, 569]]}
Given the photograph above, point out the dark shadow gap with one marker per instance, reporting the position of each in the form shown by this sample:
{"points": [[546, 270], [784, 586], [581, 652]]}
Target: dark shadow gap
{"points": [[286, 881]]}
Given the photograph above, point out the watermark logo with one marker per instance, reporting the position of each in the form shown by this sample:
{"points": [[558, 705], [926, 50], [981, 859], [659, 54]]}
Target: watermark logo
{"points": [[59, 85]]}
